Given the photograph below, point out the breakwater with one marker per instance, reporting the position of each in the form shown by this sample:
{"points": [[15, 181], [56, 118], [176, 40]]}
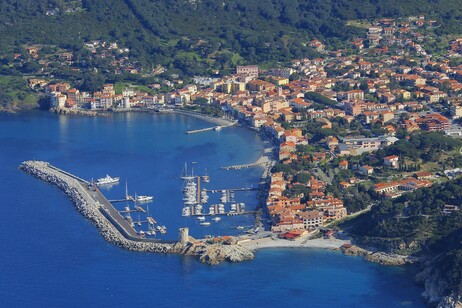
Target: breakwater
{"points": [[92, 206]]}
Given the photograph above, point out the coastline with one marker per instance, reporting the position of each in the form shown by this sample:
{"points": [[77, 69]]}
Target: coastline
{"points": [[271, 243], [201, 116]]}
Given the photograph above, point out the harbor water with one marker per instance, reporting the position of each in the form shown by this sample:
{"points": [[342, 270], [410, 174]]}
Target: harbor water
{"points": [[51, 256]]}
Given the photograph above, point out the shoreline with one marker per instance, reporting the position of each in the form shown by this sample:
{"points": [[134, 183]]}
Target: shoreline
{"points": [[272, 243]]}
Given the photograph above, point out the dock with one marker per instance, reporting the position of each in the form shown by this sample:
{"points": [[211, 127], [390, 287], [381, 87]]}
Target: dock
{"points": [[217, 128], [244, 166], [231, 189]]}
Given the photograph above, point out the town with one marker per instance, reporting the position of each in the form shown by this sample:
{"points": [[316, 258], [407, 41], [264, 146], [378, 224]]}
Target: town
{"points": [[338, 120]]}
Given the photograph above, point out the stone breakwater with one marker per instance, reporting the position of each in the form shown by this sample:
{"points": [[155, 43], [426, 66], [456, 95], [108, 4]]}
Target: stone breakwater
{"points": [[86, 205]]}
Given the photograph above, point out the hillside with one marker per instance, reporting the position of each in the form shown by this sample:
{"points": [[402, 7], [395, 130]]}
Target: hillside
{"points": [[194, 35], [414, 223]]}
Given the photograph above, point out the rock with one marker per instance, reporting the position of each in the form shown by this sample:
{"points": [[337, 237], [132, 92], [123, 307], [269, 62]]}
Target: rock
{"points": [[215, 254], [377, 257], [68, 111], [452, 301]]}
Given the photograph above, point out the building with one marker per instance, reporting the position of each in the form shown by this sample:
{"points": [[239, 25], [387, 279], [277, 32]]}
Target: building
{"points": [[260, 85], [366, 170], [456, 110], [434, 122], [391, 161], [57, 99], [312, 220], [248, 70]]}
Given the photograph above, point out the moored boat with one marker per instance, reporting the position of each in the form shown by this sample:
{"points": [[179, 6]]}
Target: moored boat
{"points": [[107, 180]]}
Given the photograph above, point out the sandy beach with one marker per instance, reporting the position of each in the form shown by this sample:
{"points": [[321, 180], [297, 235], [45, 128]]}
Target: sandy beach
{"points": [[256, 244]]}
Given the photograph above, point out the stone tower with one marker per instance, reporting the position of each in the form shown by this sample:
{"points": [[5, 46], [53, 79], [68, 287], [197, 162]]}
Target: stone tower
{"points": [[184, 235]]}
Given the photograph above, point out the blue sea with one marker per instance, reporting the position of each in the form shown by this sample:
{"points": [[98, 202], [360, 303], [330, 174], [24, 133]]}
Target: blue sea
{"points": [[52, 257]]}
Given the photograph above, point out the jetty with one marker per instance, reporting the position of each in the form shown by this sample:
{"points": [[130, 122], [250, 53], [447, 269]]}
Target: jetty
{"points": [[217, 128], [93, 205]]}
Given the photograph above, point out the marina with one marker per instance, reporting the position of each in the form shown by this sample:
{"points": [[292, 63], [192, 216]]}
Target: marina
{"points": [[125, 225], [195, 198]]}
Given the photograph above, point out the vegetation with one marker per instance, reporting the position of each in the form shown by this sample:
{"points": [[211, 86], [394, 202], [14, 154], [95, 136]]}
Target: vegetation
{"points": [[15, 92], [414, 223], [175, 33]]}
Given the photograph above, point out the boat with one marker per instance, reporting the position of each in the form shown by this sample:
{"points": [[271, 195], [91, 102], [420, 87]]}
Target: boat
{"points": [[216, 218], [143, 198], [162, 229], [239, 227], [185, 175], [217, 128], [205, 223], [202, 218], [186, 211], [139, 220], [205, 177], [107, 180], [212, 210]]}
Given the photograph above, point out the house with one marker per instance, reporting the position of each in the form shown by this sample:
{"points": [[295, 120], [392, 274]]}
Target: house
{"points": [[366, 170], [343, 165], [424, 175], [391, 161]]}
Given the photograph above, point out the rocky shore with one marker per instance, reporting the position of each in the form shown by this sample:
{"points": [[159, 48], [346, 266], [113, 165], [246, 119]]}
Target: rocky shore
{"points": [[377, 256], [68, 111], [83, 202]]}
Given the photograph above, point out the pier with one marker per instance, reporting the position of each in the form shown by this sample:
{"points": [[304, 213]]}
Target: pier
{"points": [[213, 191], [218, 127], [238, 167]]}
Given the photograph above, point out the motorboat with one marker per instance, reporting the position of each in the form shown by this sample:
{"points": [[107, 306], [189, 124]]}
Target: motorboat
{"points": [[107, 180]]}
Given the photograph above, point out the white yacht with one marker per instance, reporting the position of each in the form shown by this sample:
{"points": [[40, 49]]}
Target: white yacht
{"points": [[107, 180], [143, 198], [205, 223], [186, 211], [201, 218]]}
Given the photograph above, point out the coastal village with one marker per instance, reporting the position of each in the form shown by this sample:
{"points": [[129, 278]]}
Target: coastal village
{"points": [[328, 117]]}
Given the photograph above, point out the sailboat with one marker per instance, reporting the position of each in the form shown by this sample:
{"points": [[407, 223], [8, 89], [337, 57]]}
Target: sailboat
{"points": [[205, 177], [184, 174]]}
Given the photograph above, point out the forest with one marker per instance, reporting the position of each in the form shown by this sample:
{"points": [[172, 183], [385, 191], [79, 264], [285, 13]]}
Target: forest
{"points": [[194, 35]]}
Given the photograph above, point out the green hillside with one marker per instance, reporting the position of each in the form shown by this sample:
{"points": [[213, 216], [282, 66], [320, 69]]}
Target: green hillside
{"points": [[155, 31]]}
